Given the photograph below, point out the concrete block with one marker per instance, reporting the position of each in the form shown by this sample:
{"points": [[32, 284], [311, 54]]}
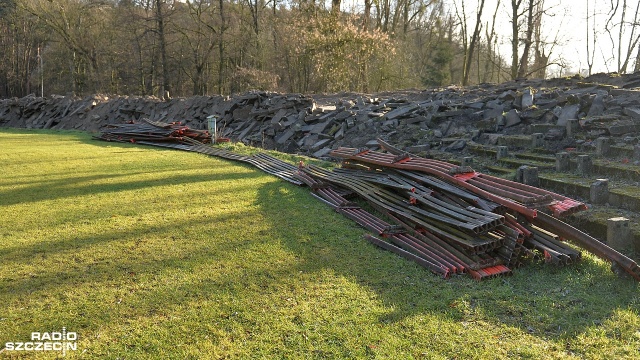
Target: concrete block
{"points": [[527, 98], [512, 118], [585, 165], [619, 233], [467, 161], [528, 175], [562, 161], [569, 112], [572, 127], [501, 151], [599, 192], [537, 140], [418, 148], [603, 145], [636, 152]]}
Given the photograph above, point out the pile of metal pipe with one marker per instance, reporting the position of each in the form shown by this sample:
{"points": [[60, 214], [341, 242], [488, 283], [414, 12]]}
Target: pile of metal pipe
{"points": [[535, 233], [152, 131], [449, 219], [177, 136]]}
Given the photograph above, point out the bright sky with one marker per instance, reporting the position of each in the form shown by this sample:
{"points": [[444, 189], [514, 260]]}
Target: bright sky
{"points": [[564, 20]]}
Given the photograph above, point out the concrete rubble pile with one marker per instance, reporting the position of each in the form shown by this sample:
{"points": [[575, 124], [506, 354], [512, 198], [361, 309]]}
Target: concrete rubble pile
{"points": [[443, 118]]}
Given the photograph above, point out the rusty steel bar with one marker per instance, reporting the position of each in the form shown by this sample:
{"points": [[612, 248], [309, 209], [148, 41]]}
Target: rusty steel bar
{"points": [[444, 258], [415, 248], [434, 255], [455, 254], [555, 243], [407, 255], [389, 202], [588, 242], [561, 207], [371, 222], [350, 154]]}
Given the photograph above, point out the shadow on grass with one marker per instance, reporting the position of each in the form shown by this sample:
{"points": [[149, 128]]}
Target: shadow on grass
{"points": [[545, 301], [16, 254], [75, 186]]}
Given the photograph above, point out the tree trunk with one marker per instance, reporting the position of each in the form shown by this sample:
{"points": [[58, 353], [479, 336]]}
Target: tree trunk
{"points": [[366, 15], [524, 60], [490, 65], [541, 60], [223, 27], [515, 5], [472, 45], [166, 88], [335, 6]]}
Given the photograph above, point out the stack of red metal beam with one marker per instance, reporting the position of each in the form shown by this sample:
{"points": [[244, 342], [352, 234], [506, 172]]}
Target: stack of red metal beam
{"points": [[455, 219]]}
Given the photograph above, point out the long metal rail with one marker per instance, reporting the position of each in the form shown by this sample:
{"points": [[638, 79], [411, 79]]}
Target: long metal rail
{"points": [[478, 220], [389, 202], [588, 242], [367, 156], [438, 256], [528, 195]]}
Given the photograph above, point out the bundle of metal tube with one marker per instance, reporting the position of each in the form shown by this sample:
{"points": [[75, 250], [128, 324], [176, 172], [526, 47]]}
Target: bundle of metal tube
{"points": [[153, 132], [425, 248], [521, 200], [430, 240], [515, 196], [448, 219], [176, 136], [426, 235]]}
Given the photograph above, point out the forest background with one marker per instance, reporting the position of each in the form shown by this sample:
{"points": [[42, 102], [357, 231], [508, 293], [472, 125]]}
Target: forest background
{"points": [[188, 48]]}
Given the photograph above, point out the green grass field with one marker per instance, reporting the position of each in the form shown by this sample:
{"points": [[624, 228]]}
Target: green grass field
{"points": [[149, 253]]}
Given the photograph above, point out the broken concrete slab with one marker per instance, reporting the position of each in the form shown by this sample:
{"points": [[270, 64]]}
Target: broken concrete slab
{"points": [[321, 127], [322, 152], [568, 112], [419, 148], [526, 99], [597, 106], [401, 111], [285, 136], [633, 112], [512, 118], [320, 144], [456, 145]]}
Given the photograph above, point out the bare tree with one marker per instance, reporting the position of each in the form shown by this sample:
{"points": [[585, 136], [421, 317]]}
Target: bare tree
{"points": [[162, 40], [366, 15], [491, 36], [591, 53], [335, 6], [21, 43], [474, 40], [623, 25], [523, 67], [634, 38], [515, 36], [76, 24]]}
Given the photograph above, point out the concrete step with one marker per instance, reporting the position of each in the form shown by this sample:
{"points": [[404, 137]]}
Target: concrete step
{"points": [[537, 157], [594, 222], [622, 168], [621, 195]]}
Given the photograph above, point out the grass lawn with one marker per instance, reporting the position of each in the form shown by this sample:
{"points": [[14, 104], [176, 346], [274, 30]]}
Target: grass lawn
{"points": [[150, 253]]}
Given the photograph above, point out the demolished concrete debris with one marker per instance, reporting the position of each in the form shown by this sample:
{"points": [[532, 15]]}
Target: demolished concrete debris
{"points": [[316, 125]]}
